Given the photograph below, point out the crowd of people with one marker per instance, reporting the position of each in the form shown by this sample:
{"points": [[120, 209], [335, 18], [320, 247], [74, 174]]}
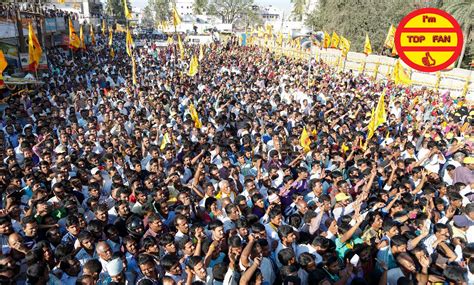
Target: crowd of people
{"points": [[109, 182], [9, 11]]}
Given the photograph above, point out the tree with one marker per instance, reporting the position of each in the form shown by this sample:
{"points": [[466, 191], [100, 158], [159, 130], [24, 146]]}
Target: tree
{"points": [[161, 8], [115, 9], [231, 10], [354, 18], [298, 9], [200, 6], [147, 19], [463, 12]]}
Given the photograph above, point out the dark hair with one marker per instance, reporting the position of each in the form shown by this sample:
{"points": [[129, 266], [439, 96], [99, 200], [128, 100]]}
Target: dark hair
{"points": [[193, 261], [284, 231], [144, 258], [285, 255], [169, 261], [215, 224], [35, 272], [93, 265]]}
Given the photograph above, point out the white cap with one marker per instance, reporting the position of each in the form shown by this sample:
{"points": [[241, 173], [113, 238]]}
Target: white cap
{"points": [[114, 267]]}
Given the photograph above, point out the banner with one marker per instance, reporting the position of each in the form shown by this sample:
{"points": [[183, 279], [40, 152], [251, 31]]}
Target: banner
{"points": [[43, 64]]}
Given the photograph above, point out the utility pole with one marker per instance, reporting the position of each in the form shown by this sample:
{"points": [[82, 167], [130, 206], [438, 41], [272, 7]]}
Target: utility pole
{"points": [[19, 26]]}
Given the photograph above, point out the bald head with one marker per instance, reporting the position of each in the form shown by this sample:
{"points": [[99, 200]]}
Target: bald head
{"points": [[104, 251], [14, 240]]}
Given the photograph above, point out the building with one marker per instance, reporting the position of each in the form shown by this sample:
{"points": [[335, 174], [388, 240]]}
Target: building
{"points": [[184, 7], [88, 10]]}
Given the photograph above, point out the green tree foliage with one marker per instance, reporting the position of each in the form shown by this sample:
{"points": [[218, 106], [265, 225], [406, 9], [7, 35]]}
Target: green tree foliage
{"points": [[298, 9], [231, 10], [115, 9], [147, 20], [354, 18], [200, 6], [161, 8], [463, 12]]}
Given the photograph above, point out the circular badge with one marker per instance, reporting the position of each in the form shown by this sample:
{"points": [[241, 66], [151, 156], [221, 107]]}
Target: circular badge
{"points": [[428, 39]]}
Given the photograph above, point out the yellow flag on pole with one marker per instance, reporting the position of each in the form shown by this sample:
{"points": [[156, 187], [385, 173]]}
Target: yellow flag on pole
{"points": [[127, 13], [193, 66], [195, 116], [334, 40], [3, 65], [380, 113], [81, 37], [390, 39], [367, 46], [164, 141], [345, 46], [181, 48], [370, 129], [399, 74], [111, 36], [279, 39], [74, 41], [92, 35], [305, 141], [134, 71], [176, 18], [103, 28], [129, 42], [326, 40], [201, 52], [34, 49]]}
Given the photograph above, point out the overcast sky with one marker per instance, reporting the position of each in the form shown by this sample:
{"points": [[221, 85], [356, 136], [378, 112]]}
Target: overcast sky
{"points": [[282, 4]]}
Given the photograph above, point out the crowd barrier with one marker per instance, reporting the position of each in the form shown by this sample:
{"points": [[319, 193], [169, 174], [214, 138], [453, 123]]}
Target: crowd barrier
{"points": [[460, 82]]}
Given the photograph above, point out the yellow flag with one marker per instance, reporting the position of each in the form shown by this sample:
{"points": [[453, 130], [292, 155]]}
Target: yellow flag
{"points": [[269, 29], [394, 50], [334, 40], [127, 13], [111, 36], [390, 39], [119, 28], [305, 141], [371, 129], [193, 66], [279, 39], [3, 65], [92, 35], [34, 49], [176, 18], [380, 114], [74, 41], [326, 40], [170, 41], [134, 71], [81, 37], [195, 116], [103, 28], [181, 48], [129, 42], [61, 1], [399, 74], [201, 52], [164, 141], [165, 25], [112, 53], [367, 46], [465, 87], [345, 46]]}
